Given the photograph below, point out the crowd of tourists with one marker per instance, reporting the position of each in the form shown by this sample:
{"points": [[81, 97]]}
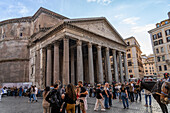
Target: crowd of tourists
{"points": [[73, 98]]}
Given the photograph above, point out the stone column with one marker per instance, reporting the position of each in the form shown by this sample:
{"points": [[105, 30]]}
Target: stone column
{"points": [[90, 62], [125, 67], [65, 77], [42, 67], [115, 66], [79, 61], [121, 68], [72, 67], [56, 62], [49, 65], [109, 73], [100, 65]]}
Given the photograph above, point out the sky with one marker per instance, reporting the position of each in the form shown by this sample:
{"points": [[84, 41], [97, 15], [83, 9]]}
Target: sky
{"points": [[129, 17]]}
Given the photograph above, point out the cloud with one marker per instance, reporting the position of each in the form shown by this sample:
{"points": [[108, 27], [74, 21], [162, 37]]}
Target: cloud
{"points": [[104, 2], [119, 16], [19, 7], [145, 28], [131, 20]]}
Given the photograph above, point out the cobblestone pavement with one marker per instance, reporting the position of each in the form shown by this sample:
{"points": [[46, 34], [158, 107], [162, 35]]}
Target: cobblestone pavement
{"points": [[21, 105]]}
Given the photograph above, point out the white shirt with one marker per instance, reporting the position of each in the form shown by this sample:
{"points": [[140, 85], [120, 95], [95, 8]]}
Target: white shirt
{"points": [[36, 90]]}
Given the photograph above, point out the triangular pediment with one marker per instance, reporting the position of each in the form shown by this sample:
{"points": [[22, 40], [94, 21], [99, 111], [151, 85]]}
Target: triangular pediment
{"points": [[98, 26]]}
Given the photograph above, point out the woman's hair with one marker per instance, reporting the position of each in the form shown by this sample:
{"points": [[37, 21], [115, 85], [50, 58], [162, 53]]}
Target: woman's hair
{"points": [[47, 89], [71, 92], [123, 86]]}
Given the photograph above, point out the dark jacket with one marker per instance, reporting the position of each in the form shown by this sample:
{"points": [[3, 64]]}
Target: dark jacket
{"points": [[54, 98]]}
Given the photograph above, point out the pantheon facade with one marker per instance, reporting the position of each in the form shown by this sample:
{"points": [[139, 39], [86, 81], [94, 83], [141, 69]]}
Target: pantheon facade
{"points": [[47, 47]]}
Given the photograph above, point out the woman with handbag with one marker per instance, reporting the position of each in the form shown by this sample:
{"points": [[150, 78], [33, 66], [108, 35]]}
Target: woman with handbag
{"points": [[124, 96], [45, 104]]}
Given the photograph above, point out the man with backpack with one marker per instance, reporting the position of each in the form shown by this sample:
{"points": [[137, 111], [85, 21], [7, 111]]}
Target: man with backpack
{"points": [[54, 99]]}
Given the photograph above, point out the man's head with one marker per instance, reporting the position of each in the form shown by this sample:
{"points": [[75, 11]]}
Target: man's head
{"points": [[56, 86], [98, 86], [80, 83]]}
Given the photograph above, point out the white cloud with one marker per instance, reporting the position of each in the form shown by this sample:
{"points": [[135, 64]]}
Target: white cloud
{"points": [[105, 2], [138, 29], [18, 8], [119, 16], [131, 20]]}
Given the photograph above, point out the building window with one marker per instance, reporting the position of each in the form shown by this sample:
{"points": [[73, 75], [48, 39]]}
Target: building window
{"points": [[160, 68], [159, 35], [162, 49], [163, 58], [128, 43], [154, 37], [165, 67], [146, 70], [158, 59], [130, 63], [20, 34], [166, 22], [168, 39], [167, 32], [155, 43], [130, 71], [160, 41], [145, 67], [157, 50], [129, 55], [149, 67]]}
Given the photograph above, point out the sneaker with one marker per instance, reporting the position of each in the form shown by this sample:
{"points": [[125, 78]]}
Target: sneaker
{"points": [[95, 109], [124, 108], [146, 105], [103, 110], [150, 105], [36, 100]]}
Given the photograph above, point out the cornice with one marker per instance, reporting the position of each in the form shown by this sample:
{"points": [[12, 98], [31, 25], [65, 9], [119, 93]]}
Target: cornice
{"points": [[158, 28], [13, 60]]}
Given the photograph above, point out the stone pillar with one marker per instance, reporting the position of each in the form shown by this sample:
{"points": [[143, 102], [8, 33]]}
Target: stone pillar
{"points": [[115, 66], [42, 67], [109, 73], [90, 62], [79, 61], [121, 68], [100, 65], [49, 65], [65, 77], [125, 67], [56, 62], [72, 67]]}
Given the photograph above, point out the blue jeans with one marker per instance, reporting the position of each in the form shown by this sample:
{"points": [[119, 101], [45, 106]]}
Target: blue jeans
{"points": [[32, 95], [106, 101], [146, 99], [138, 93], [124, 99], [20, 94]]}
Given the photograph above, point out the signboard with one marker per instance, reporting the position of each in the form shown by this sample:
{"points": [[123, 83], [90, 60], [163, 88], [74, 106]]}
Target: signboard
{"points": [[23, 84]]}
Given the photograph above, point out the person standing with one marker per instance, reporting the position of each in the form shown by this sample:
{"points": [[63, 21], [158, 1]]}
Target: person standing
{"points": [[124, 96], [106, 96], [138, 92], [147, 94], [131, 92], [36, 92], [54, 99], [32, 94], [70, 99], [45, 104], [99, 99], [83, 99], [20, 91]]}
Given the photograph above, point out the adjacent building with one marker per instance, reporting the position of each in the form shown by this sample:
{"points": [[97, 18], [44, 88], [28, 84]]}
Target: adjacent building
{"points": [[134, 60], [160, 39], [47, 47], [149, 65]]}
